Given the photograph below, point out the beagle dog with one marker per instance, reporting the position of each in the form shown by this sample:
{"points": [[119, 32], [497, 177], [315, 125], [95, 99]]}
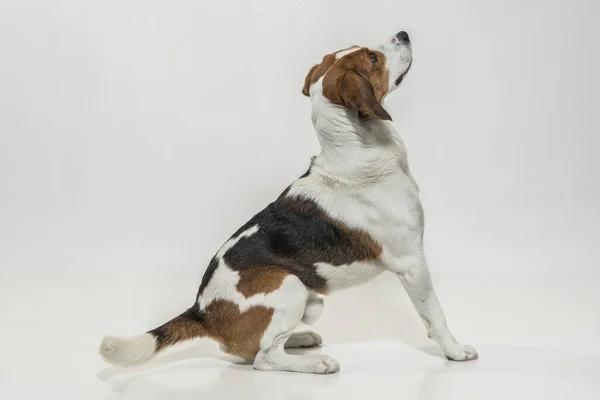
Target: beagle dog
{"points": [[353, 215]]}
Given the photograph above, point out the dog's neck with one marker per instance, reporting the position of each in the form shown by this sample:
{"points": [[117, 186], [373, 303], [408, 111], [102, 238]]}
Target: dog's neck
{"points": [[355, 150]]}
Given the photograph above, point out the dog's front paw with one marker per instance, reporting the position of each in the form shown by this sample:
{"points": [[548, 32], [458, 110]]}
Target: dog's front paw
{"points": [[462, 352]]}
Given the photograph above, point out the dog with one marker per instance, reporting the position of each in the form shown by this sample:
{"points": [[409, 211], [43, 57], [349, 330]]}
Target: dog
{"points": [[353, 215]]}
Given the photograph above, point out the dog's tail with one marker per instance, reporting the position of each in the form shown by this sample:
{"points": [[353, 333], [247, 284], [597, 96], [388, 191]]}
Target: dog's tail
{"points": [[138, 349]]}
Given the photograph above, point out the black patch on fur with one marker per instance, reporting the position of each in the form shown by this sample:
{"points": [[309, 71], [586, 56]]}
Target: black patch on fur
{"points": [[160, 335], [294, 234]]}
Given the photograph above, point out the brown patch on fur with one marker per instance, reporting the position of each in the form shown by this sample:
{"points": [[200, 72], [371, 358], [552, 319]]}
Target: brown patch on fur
{"points": [[356, 81], [371, 249], [321, 290], [222, 321], [260, 280], [318, 70], [240, 332], [183, 327]]}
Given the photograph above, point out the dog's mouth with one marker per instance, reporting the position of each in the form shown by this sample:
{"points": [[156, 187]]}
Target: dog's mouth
{"points": [[399, 79]]}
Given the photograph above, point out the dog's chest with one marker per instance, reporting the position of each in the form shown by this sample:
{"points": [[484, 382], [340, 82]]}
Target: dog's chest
{"points": [[390, 212]]}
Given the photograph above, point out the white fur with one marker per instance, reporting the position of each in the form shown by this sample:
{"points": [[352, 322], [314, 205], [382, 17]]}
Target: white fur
{"points": [[398, 56], [128, 350], [314, 309], [342, 53]]}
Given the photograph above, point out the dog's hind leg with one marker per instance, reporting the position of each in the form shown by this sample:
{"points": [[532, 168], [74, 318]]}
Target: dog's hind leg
{"points": [[289, 303], [314, 309], [304, 339], [312, 312]]}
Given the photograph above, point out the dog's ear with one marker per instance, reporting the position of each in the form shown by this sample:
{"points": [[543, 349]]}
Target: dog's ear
{"points": [[308, 80], [316, 72], [352, 89]]}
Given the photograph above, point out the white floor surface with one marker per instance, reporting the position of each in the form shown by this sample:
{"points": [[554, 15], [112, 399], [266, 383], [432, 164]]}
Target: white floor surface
{"points": [[536, 340]]}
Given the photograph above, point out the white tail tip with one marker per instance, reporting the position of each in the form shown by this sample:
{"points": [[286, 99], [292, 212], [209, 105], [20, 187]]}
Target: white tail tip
{"points": [[128, 350]]}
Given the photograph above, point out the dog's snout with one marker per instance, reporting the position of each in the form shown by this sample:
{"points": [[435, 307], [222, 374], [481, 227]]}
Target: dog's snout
{"points": [[402, 36]]}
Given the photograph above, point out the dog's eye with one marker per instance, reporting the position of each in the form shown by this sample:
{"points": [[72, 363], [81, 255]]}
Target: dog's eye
{"points": [[373, 57]]}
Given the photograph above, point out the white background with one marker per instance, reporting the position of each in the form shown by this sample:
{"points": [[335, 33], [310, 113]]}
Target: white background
{"points": [[136, 136]]}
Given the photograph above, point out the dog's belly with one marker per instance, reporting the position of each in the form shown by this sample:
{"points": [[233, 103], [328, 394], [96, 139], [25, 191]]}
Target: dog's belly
{"points": [[348, 275]]}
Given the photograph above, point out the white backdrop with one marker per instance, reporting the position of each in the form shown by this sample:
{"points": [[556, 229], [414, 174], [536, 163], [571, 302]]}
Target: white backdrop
{"points": [[137, 135]]}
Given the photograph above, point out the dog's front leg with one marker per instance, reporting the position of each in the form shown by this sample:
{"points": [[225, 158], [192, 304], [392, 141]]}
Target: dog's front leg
{"points": [[414, 274]]}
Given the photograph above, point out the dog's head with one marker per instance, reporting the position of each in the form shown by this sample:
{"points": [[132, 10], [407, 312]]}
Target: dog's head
{"points": [[359, 77]]}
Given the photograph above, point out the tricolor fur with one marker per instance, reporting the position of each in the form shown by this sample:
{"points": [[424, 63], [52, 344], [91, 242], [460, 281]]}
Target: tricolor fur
{"points": [[354, 214]]}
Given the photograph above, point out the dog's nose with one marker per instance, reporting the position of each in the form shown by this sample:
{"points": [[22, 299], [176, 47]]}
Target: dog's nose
{"points": [[402, 36]]}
